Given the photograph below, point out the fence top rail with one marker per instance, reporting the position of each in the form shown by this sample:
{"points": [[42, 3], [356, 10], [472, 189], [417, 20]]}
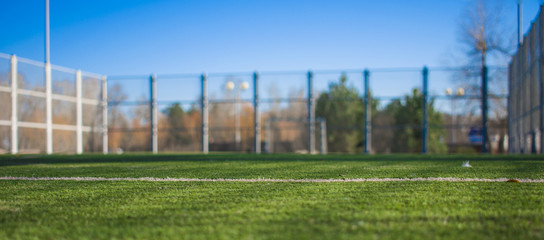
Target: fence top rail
{"points": [[299, 72], [53, 66], [5, 56], [267, 73]]}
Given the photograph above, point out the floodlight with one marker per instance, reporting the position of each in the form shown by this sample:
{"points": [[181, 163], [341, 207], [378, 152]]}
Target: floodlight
{"points": [[229, 85], [460, 92], [244, 85]]}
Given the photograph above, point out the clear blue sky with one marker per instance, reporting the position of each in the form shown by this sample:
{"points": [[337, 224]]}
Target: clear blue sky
{"points": [[177, 36], [132, 37]]}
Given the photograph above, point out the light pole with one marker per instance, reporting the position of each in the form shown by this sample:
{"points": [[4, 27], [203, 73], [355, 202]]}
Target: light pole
{"points": [[240, 86], [47, 55], [460, 92]]}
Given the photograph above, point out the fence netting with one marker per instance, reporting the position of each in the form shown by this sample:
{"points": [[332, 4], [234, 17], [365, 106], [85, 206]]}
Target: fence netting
{"points": [[297, 112]]}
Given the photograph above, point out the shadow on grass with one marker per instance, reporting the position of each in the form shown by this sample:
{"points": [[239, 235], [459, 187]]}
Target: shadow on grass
{"points": [[10, 160]]}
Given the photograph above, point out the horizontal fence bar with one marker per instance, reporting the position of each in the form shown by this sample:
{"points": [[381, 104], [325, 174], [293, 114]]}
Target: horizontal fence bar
{"points": [[90, 101], [31, 62], [128, 77], [55, 126], [299, 72], [179, 102], [5, 89], [355, 127], [58, 97], [32, 93], [63, 69], [133, 103], [63, 98], [178, 76]]}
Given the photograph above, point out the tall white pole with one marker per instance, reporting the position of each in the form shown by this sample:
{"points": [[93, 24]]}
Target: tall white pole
{"points": [[48, 110], [79, 114], [48, 106], [47, 60], [14, 117]]}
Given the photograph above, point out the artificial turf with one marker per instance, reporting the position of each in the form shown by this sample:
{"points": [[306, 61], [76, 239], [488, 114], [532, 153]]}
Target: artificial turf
{"points": [[273, 166], [267, 210]]}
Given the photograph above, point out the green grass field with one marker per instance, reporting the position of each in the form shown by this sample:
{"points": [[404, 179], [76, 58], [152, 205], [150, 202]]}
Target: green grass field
{"points": [[271, 210]]}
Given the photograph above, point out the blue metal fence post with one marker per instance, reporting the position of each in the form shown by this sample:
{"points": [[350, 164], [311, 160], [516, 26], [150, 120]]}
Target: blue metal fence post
{"points": [[256, 113], [311, 127], [204, 106], [368, 126], [484, 110], [424, 126]]}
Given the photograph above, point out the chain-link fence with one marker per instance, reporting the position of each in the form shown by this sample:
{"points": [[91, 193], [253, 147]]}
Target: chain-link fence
{"points": [[333, 102], [407, 110], [48, 108], [525, 106]]}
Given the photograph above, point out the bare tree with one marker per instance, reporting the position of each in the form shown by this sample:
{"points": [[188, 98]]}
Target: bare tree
{"points": [[484, 34], [485, 38]]}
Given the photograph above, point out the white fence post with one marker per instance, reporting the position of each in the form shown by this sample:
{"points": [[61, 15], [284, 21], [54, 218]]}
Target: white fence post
{"points": [[268, 145], [14, 117], [154, 114], [79, 117], [204, 109], [48, 110], [104, 115], [323, 132]]}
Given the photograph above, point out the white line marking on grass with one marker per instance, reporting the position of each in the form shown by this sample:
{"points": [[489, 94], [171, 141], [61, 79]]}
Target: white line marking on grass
{"points": [[150, 179]]}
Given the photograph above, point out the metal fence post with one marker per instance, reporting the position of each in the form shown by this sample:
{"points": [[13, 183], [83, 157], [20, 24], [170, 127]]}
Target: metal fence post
{"points": [[268, 145], [14, 117], [311, 127], [520, 106], [153, 114], [256, 113], [48, 110], [540, 85], [532, 85], [368, 126], [204, 106], [323, 132], [509, 115], [79, 112], [104, 115], [484, 110], [424, 134]]}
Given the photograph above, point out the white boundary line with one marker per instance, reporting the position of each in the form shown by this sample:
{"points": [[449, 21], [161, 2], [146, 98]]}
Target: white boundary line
{"points": [[150, 179]]}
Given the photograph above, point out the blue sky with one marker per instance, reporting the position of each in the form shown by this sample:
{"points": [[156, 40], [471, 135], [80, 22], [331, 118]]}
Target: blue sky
{"points": [[131, 37], [169, 36]]}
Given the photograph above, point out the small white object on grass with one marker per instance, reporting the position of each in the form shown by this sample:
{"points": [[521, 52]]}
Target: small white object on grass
{"points": [[466, 164], [119, 151]]}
